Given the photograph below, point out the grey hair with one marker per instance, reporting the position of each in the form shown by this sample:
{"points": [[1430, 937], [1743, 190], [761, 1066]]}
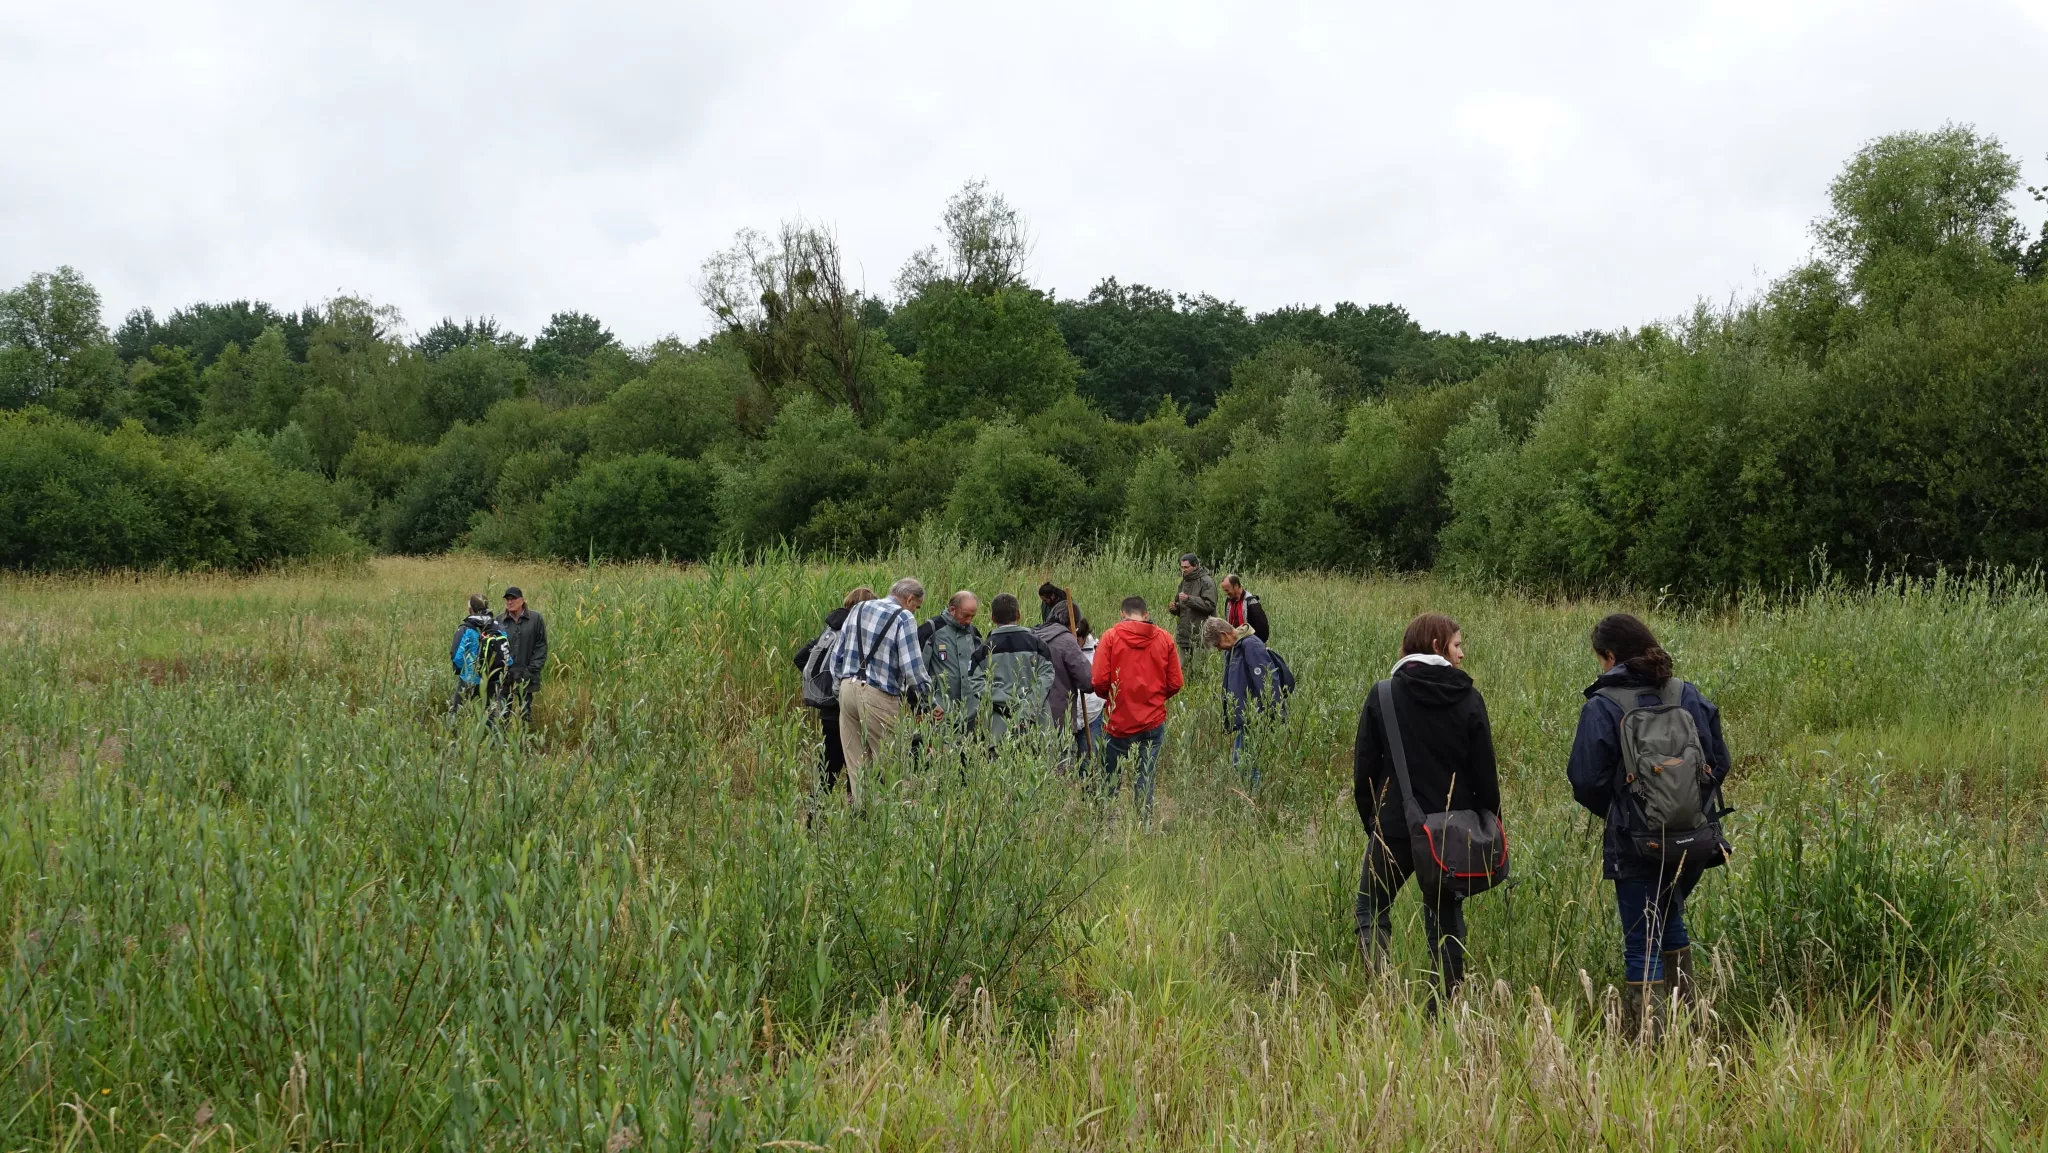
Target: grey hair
{"points": [[959, 598], [907, 588], [1215, 629]]}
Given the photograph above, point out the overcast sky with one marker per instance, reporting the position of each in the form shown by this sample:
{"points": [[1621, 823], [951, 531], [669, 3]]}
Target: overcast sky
{"points": [[1514, 167]]}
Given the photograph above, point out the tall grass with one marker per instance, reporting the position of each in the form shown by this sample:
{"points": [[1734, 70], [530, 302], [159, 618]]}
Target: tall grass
{"points": [[258, 891]]}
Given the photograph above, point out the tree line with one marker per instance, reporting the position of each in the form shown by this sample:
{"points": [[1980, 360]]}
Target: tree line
{"points": [[1881, 406]]}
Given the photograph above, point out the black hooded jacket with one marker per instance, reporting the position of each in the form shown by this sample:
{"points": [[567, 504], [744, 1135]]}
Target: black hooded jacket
{"points": [[1450, 749]]}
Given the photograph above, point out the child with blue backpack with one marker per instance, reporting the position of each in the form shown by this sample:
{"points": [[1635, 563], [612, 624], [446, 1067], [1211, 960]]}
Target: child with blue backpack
{"points": [[478, 654]]}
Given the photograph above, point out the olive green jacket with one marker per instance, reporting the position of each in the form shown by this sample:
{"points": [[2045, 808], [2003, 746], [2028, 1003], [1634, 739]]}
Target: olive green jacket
{"points": [[1200, 605]]}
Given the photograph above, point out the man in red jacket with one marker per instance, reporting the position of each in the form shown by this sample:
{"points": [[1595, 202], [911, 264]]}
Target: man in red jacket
{"points": [[1136, 669]]}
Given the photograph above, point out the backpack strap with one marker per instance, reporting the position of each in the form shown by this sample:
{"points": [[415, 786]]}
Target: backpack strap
{"points": [[1670, 693], [875, 645], [1399, 754]]}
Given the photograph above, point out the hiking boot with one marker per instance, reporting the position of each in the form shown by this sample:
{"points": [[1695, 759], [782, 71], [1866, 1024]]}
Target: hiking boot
{"points": [[1678, 978], [1642, 1011]]}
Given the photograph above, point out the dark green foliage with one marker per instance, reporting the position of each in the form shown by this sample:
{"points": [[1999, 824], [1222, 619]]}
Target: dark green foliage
{"points": [[815, 481], [448, 336], [455, 480], [1139, 346], [73, 497], [984, 356], [462, 383], [686, 402], [632, 508], [567, 345], [206, 330], [1010, 493], [164, 391]]}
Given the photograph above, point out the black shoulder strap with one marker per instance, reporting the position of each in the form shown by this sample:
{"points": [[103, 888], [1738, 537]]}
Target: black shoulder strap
{"points": [[1392, 725], [876, 644]]}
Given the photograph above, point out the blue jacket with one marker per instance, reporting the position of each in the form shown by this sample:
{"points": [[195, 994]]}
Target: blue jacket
{"points": [[1247, 680], [1596, 760]]}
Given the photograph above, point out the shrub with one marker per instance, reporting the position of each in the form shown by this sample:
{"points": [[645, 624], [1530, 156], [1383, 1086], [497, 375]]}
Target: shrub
{"points": [[72, 497], [631, 508]]}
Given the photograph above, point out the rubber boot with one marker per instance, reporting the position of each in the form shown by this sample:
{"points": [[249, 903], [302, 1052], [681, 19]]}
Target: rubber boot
{"points": [[1642, 1011], [1678, 979]]}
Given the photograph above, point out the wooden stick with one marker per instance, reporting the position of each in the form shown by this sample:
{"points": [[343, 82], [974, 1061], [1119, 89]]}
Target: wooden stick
{"points": [[1081, 691]]}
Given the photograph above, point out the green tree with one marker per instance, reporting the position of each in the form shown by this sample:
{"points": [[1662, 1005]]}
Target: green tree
{"points": [[164, 391], [686, 403], [1915, 209], [985, 356], [1010, 493], [632, 508], [462, 383], [54, 350], [257, 388], [1157, 502]]}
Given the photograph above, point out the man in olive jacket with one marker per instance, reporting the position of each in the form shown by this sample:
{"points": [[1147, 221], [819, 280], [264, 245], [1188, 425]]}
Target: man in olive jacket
{"points": [[1194, 603], [953, 654], [526, 644]]}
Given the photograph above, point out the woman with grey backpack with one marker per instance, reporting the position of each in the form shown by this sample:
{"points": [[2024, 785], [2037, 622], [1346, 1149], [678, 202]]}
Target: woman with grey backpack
{"points": [[1649, 760], [813, 661], [1426, 787]]}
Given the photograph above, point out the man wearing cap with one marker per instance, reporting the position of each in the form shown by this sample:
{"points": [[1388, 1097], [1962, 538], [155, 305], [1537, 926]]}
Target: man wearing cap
{"points": [[1194, 603], [526, 643]]}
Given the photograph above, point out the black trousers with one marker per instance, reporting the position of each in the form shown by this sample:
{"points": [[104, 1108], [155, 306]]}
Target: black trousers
{"points": [[1387, 866], [835, 752]]}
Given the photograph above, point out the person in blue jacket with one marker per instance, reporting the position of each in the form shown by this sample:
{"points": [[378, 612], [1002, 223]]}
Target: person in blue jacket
{"points": [[1248, 687], [1650, 896]]}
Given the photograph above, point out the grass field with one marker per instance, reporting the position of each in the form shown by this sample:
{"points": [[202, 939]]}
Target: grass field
{"points": [[258, 892]]}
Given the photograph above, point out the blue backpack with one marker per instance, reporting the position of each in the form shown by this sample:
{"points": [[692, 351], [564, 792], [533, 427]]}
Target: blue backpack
{"points": [[470, 654]]}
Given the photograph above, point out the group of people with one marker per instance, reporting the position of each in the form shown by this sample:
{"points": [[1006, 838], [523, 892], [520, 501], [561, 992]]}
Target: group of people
{"points": [[498, 659], [1648, 759], [1094, 701]]}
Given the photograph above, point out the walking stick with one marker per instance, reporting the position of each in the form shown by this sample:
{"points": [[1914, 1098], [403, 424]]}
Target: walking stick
{"points": [[1081, 695]]}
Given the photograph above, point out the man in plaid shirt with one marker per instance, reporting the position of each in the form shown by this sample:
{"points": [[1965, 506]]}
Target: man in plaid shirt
{"points": [[876, 661]]}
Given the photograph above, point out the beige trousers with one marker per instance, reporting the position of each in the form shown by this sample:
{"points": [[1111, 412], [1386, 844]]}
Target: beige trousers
{"points": [[867, 716]]}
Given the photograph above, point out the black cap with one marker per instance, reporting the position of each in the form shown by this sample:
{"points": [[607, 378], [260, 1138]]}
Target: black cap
{"points": [[1190, 558], [512, 593]]}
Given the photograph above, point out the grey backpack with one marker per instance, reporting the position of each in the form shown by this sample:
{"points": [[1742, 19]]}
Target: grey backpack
{"points": [[1665, 773], [819, 687]]}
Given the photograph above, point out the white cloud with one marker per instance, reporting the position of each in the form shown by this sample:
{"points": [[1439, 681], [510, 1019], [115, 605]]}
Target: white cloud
{"points": [[1492, 166]]}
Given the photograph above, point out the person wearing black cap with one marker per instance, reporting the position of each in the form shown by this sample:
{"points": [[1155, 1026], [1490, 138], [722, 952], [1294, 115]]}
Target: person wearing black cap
{"points": [[1194, 603], [526, 641]]}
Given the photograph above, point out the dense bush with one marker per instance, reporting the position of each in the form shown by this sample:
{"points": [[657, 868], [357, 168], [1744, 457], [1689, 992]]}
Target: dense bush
{"points": [[631, 508], [74, 497]]}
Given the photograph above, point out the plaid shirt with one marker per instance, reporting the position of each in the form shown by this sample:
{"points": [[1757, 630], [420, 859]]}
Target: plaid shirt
{"points": [[898, 664]]}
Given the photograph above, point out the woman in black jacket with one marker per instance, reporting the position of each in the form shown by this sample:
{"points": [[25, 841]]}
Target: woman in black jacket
{"points": [[828, 713], [1450, 766]]}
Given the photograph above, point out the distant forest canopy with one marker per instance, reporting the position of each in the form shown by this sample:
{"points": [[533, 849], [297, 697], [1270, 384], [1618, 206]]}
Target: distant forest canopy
{"points": [[1884, 406]]}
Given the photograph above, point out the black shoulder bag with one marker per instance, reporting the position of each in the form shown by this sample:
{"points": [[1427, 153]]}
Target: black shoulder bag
{"points": [[1456, 853]]}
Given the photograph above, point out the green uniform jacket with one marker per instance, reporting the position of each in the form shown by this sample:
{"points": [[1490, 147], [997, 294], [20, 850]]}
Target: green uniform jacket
{"points": [[952, 652], [1200, 589], [1020, 675]]}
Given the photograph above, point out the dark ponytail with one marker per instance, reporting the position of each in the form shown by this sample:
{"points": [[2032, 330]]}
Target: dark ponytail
{"points": [[1629, 641]]}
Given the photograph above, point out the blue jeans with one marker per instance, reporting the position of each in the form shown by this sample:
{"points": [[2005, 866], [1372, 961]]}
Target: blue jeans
{"points": [[1116, 748], [1088, 745], [1652, 921]]}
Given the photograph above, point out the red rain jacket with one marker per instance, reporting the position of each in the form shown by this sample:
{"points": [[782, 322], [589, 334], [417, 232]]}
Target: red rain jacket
{"points": [[1137, 667]]}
